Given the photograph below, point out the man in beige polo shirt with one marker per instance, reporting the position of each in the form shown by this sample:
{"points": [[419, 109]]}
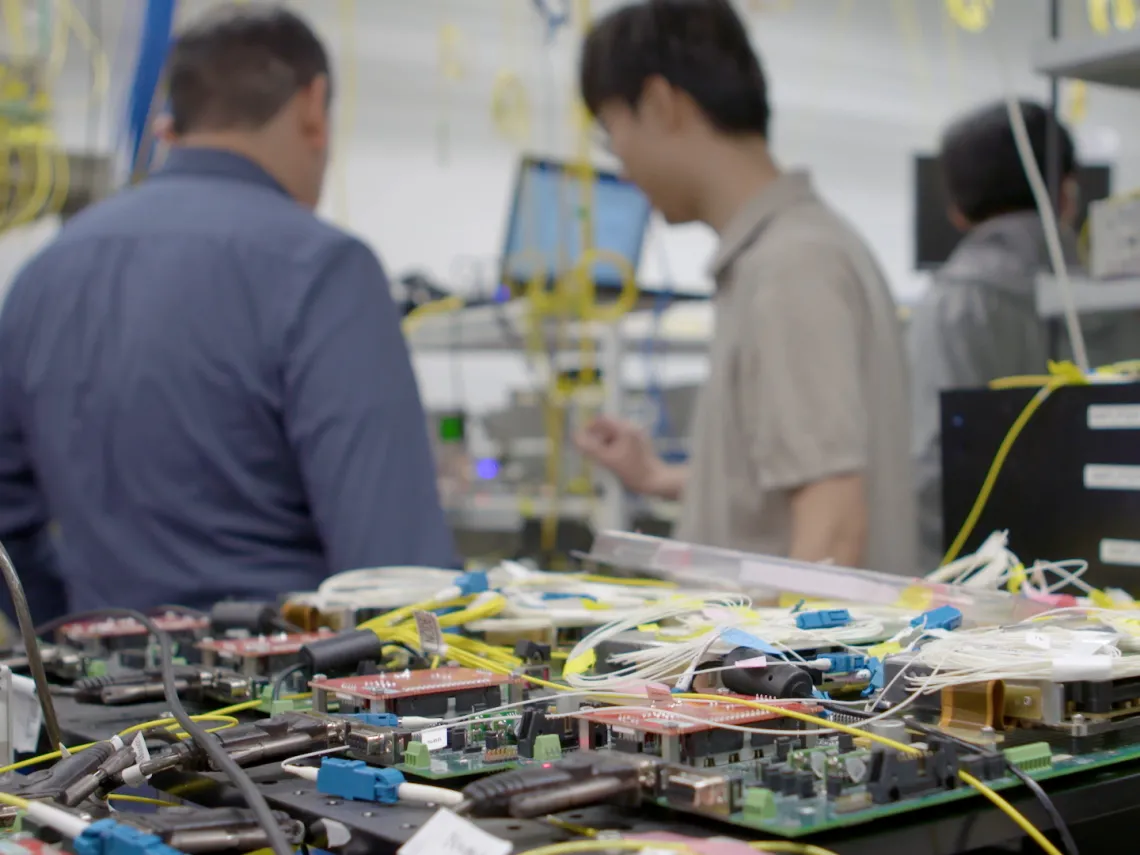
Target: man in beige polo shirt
{"points": [[801, 441]]}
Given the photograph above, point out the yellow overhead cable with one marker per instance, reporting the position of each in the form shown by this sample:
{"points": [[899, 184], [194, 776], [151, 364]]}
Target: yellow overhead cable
{"points": [[971, 15], [1107, 15]]}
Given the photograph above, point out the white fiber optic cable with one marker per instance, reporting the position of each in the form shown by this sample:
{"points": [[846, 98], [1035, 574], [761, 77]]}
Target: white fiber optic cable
{"points": [[381, 587]]}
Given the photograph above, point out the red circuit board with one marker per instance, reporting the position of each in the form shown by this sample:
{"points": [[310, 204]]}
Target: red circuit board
{"points": [[666, 718], [262, 646], [89, 630], [408, 684]]}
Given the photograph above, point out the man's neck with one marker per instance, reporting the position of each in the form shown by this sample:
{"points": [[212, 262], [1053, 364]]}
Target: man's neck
{"points": [[737, 172], [242, 145]]}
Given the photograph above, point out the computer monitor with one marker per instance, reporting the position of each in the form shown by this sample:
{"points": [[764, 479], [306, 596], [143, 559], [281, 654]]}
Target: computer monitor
{"points": [[935, 237], [543, 233]]}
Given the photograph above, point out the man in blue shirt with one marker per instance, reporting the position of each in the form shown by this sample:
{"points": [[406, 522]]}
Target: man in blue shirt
{"points": [[201, 383]]}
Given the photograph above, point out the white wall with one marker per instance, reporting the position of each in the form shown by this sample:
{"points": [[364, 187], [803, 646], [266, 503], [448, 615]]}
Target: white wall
{"points": [[858, 87]]}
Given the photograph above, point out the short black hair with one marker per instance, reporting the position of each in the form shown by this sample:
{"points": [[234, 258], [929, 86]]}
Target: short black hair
{"points": [[981, 168], [699, 46], [238, 65]]}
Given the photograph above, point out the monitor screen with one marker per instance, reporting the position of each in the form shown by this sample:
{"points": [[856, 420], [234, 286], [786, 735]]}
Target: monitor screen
{"points": [[543, 232], [935, 236]]}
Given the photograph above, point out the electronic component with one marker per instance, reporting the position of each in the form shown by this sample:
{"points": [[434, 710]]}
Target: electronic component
{"points": [[133, 687], [436, 693], [680, 731], [698, 790], [194, 830], [894, 776], [260, 656], [105, 636], [775, 679], [575, 781], [342, 652]]}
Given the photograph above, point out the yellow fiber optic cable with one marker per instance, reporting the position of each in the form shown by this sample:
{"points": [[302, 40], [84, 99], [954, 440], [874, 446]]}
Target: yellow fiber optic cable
{"points": [[141, 800], [1063, 374]]}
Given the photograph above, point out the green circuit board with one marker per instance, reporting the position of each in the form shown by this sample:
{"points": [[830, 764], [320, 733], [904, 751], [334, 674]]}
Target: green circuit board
{"points": [[798, 817]]}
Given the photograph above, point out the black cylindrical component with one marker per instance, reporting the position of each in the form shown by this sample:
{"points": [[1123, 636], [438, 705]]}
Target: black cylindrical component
{"points": [[834, 786], [805, 785], [789, 782], [784, 746], [341, 652], [846, 743], [770, 776], [256, 618], [776, 679], [578, 794]]}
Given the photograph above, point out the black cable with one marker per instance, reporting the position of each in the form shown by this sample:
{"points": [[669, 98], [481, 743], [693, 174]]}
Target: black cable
{"points": [[1038, 791], [207, 743], [281, 679], [31, 648]]}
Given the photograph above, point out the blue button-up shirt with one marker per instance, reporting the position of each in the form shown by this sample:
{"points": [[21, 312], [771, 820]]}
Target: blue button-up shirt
{"points": [[206, 387]]}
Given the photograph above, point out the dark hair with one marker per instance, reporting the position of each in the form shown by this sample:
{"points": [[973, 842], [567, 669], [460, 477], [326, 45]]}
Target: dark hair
{"points": [[237, 66], [698, 46], [980, 165]]}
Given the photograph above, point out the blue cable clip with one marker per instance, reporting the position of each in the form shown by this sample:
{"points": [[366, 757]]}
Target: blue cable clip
{"points": [[373, 719], [875, 666], [823, 619], [943, 617], [740, 638], [474, 582], [355, 780], [107, 837], [844, 663]]}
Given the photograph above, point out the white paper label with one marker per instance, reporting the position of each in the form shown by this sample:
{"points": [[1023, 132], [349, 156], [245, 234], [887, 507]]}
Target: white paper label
{"points": [[1114, 417], [448, 834], [138, 747], [431, 636], [1101, 476], [26, 714], [435, 739], [1125, 553]]}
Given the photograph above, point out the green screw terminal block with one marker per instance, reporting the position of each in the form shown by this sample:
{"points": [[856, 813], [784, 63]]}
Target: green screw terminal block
{"points": [[281, 705], [1036, 755], [759, 803], [417, 755], [547, 747]]}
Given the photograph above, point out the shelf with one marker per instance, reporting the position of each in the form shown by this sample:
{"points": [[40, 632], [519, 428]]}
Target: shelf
{"points": [[1090, 295], [685, 326], [1112, 60]]}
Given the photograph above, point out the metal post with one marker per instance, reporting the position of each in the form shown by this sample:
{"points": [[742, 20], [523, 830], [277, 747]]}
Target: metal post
{"points": [[1053, 175], [613, 510]]}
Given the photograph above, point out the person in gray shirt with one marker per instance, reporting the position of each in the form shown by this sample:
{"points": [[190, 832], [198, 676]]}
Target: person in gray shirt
{"points": [[978, 321], [799, 446]]}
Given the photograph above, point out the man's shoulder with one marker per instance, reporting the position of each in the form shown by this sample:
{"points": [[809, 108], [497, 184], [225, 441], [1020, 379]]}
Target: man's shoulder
{"points": [[238, 214]]}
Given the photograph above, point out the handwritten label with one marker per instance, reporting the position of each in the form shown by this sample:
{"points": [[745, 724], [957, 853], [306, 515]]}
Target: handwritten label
{"points": [[435, 738], [431, 635], [448, 834]]}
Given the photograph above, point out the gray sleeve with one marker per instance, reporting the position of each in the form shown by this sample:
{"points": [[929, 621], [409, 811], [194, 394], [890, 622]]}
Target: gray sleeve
{"points": [[960, 337], [356, 424], [801, 372]]}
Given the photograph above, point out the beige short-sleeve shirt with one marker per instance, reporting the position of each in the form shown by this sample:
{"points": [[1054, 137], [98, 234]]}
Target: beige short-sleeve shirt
{"points": [[807, 381]]}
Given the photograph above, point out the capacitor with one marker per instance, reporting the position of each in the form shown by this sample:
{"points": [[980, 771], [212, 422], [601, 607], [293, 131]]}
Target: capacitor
{"points": [[805, 785], [888, 728]]}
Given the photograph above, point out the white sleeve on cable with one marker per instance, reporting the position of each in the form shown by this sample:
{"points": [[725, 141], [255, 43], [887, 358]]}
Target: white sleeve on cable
{"points": [[65, 823], [1052, 232], [309, 773], [425, 794]]}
